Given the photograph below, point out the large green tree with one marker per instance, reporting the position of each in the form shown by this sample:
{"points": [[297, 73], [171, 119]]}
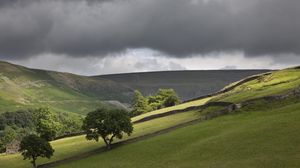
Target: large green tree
{"points": [[32, 147], [163, 98], [154, 102], [107, 124], [47, 125], [168, 97], [140, 104]]}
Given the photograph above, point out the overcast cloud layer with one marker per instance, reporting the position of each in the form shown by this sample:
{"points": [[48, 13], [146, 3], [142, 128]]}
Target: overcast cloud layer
{"points": [[143, 60], [177, 27], [166, 34]]}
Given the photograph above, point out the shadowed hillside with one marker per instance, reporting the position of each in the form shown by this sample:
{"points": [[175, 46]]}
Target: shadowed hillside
{"points": [[188, 84]]}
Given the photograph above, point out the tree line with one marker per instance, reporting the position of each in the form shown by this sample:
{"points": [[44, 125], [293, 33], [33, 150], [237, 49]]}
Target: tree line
{"points": [[107, 124], [15, 125], [163, 98]]}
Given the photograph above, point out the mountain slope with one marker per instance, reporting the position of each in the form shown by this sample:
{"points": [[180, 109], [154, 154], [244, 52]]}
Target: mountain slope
{"points": [[188, 84], [24, 88]]}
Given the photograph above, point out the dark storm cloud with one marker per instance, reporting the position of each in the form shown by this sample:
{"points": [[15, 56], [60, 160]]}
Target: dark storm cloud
{"points": [[176, 27]]}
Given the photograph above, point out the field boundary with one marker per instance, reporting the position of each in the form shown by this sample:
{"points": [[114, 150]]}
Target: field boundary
{"points": [[118, 144], [172, 112]]}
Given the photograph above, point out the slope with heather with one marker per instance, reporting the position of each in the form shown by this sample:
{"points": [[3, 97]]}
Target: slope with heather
{"points": [[22, 87]]}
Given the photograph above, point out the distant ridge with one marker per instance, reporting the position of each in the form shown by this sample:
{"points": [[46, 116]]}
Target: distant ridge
{"points": [[189, 84]]}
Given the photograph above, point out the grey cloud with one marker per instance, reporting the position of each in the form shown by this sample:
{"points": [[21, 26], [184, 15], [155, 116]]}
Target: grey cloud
{"points": [[229, 67], [175, 66], [176, 27], [155, 64]]}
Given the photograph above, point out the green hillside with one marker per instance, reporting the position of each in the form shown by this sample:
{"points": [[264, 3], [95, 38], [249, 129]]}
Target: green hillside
{"points": [[253, 138], [260, 133], [25, 88], [275, 83], [264, 133], [188, 84]]}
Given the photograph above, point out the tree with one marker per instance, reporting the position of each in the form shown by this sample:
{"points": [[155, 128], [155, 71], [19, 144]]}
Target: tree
{"points": [[172, 100], [32, 147], [20, 118], [8, 135], [47, 125], [71, 123], [140, 104], [154, 102], [107, 124], [168, 97], [2, 147], [2, 122]]}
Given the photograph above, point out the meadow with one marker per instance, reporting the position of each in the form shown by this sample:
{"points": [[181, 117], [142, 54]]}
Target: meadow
{"points": [[68, 147], [256, 138]]}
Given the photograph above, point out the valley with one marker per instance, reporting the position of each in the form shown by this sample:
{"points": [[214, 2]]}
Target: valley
{"points": [[204, 135]]}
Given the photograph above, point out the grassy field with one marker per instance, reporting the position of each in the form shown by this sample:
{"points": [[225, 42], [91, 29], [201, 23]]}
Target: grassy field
{"points": [[75, 145], [259, 138], [275, 83]]}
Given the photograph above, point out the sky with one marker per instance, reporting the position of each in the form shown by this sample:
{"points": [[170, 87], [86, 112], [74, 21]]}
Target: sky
{"points": [[92, 37]]}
